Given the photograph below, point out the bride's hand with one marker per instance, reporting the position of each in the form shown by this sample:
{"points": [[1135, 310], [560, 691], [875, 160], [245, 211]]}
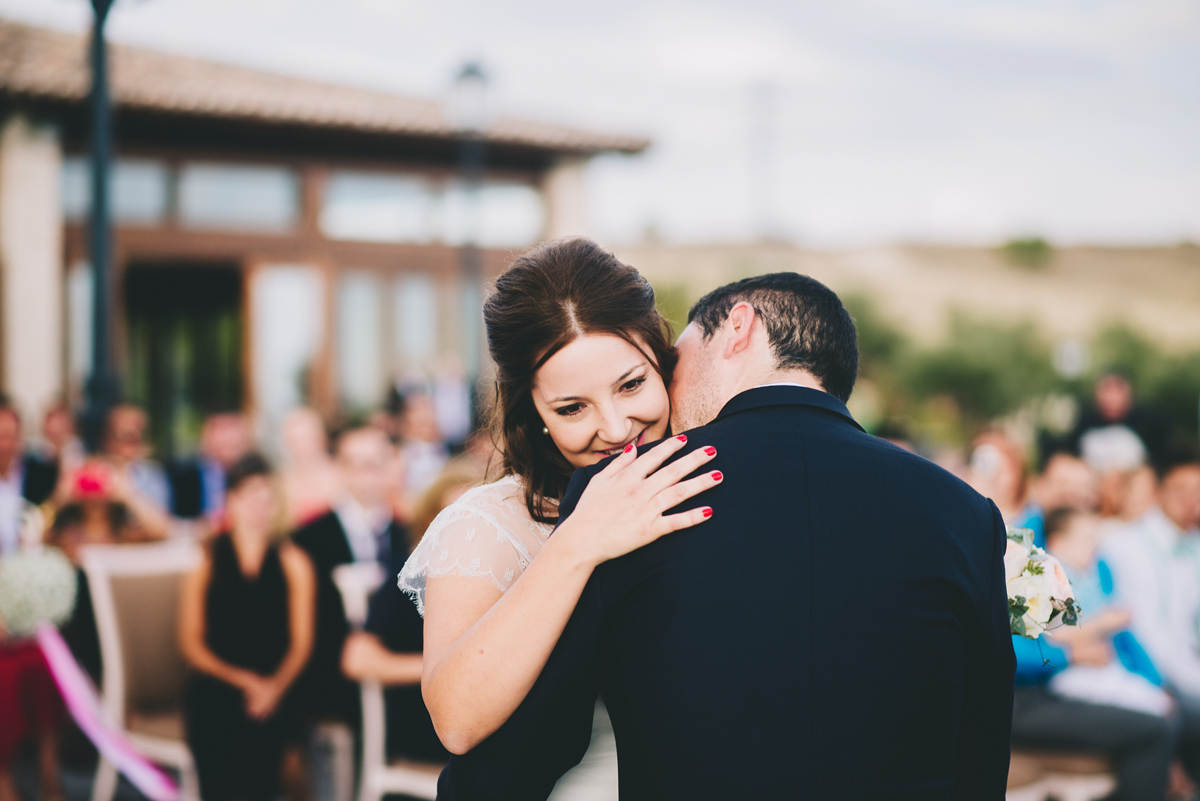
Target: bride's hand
{"points": [[622, 508]]}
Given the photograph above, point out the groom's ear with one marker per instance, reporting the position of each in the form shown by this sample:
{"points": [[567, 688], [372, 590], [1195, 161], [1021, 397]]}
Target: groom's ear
{"points": [[738, 327]]}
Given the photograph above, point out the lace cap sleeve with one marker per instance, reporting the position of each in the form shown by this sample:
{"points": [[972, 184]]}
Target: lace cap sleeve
{"points": [[485, 534]]}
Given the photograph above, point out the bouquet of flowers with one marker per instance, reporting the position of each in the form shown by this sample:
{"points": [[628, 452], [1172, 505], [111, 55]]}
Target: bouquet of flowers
{"points": [[1038, 590], [37, 583]]}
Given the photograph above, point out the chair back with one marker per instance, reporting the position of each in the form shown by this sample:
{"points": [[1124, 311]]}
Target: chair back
{"points": [[356, 581], [135, 592]]}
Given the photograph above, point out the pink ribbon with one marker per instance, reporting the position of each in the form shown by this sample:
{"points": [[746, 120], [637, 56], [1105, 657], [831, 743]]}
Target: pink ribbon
{"points": [[83, 702]]}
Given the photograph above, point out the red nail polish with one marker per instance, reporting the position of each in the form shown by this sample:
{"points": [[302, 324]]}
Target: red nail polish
{"points": [[710, 450], [628, 447], [716, 475], [708, 511], [682, 438]]}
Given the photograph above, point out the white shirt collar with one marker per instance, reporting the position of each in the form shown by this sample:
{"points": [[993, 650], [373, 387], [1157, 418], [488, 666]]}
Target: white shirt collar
{"points": [[362, 528]]}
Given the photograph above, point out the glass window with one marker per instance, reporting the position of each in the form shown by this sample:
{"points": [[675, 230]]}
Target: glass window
{"points": [[76, 187], [416, 321], [238, 197], [140, 188], [512, 214], [288, 323], [360, 340], [377, 208], [496, 215]]}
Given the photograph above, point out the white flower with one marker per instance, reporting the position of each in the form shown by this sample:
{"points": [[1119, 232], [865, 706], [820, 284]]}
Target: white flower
{"points": [[508, 574], [1015, 559], [1033, 590], [1058, 586], [36, 587]]}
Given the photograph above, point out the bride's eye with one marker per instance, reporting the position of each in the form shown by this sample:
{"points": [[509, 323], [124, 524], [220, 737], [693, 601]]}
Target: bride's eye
{"points": [[569, 411], [631, 385]]}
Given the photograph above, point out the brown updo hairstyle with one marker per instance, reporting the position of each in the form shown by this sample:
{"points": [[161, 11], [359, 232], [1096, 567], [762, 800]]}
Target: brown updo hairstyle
{"points": [[549, 297]]}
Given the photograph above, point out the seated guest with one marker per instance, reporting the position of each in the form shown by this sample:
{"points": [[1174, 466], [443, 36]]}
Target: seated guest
{"points": [[310, 478], [425, 450], [1137, 495], [246, 631], [1115, 454], [389, 648], [24, 479], [360, 528], [60, 443], [1129, 680], [1066, 482], [1156, 567], [198, 485], [1156, 570], [1139, 744], [131, 476], [996, 469]]}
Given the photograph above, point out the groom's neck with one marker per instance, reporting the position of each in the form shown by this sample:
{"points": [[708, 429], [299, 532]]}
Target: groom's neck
{"points": [[801, 377]]}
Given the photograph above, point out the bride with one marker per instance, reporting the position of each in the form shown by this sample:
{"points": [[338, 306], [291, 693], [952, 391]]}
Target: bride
{"points": [[583, 358]]}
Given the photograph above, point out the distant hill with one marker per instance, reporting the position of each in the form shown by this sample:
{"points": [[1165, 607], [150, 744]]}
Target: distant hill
{"points": [[1077, 291]]}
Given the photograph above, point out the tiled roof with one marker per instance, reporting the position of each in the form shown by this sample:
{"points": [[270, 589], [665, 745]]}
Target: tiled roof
{"points": [[44, 64]]}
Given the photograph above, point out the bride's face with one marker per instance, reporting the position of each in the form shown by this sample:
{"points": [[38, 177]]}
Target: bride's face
{"points": [[597, 395]]}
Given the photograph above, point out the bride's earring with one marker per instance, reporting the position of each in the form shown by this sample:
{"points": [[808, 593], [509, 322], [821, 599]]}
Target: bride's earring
{"points": [[545, 431]]}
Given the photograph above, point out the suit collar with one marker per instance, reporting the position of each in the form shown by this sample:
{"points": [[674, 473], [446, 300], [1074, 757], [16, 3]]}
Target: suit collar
{"points": [[760, 397]]}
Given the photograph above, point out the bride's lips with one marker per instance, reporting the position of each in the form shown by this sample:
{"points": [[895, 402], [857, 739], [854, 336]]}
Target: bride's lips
{"points": [[638, 441]]}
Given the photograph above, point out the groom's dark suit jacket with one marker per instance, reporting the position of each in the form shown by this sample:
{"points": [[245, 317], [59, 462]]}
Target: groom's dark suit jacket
{"points": [[837, 630]]}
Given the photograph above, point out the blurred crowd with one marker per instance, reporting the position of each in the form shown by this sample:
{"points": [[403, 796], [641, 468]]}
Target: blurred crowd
{"points": [[1117, 502], [263, 628], [262, 624]]}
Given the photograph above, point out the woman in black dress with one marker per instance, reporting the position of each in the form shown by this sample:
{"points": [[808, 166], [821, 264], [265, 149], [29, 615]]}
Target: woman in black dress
{"points": [[246, 629]]}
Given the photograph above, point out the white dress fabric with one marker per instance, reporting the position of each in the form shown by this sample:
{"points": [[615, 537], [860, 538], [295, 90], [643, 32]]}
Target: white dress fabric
{"points": [[488, 534]]}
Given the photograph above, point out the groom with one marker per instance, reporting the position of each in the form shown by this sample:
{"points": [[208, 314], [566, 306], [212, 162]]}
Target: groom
{"points": [[837, 630]]}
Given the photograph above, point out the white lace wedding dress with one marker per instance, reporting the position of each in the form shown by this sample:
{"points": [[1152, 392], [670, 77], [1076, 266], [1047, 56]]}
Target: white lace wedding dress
{"points": [[488, 534]]}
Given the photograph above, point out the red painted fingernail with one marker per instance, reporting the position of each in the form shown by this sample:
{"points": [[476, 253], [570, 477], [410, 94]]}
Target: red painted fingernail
{"points": [[682, 438], [708, 511], [710, 450], [716, 475], [628, 447]]}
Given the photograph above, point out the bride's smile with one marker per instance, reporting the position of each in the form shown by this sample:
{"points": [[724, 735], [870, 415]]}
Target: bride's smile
{"points": [[598, 395]]}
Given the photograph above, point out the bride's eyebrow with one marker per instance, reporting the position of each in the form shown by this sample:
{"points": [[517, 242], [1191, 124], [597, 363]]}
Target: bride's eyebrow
{"points": [[627, 373], [618, 382]]}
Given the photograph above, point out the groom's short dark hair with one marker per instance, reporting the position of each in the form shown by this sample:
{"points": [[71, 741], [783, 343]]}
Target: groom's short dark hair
{"points": [[807, 325]]}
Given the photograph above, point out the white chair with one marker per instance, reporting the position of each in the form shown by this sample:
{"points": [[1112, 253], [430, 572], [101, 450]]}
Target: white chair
{"points": [[356, 582], [1064, 777], [135, 595]]}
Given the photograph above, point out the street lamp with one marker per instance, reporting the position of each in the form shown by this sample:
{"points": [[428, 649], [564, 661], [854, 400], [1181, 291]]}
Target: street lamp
{"points": [[100, 385], [468, 114]]}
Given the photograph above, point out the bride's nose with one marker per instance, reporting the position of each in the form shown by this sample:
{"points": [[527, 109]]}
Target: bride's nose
{"points": [[615, 427]]}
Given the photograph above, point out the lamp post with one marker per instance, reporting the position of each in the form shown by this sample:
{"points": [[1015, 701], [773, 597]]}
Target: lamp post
{"points": [[469, 115], [100, 385]]}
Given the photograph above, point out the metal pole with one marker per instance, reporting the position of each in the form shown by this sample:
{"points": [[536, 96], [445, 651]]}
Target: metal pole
{"points": [[100, 386]]}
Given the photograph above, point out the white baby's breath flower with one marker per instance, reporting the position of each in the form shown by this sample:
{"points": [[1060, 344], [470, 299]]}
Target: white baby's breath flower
{"points": [[36, 587]]}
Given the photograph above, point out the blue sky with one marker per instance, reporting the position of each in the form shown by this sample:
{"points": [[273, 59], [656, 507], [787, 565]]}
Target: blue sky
{"points": [[832, 124]]}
